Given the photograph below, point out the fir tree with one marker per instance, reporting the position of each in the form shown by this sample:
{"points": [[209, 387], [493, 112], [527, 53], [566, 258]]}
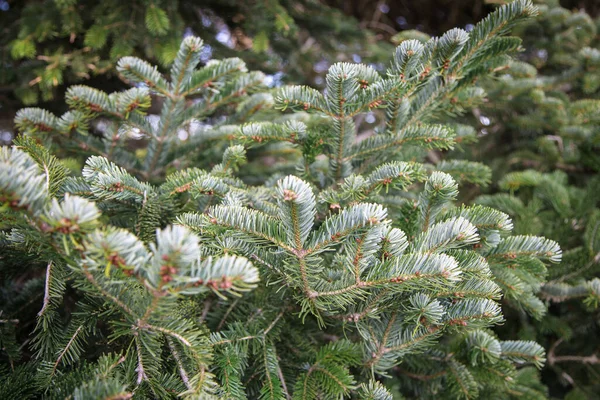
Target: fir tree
{"points": [[343, 269], [542, 123]]}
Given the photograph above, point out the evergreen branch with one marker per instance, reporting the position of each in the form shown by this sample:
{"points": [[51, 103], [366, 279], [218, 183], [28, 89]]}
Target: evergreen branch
{"points": [[91, 101], [177, 357], [514, 246], [398, 175], [333, 378], [217, 339], [212, 73], [400, 271], [452, 233], [167, 114], [421, 288], [297, 210], [186, 60], [439, 190], [259, 132], [466, 171], [54, 170], [427, 136], [494, 24], [234, 89], [65, 350], [141, 373], [524, 351], [106, 294], [407, 59], [379, 92], [139, 71], [425, 102], [272, 388], [21, 181], [46, 301], [181, 181], [342, 126], [33, 120], [484, 218], [250, 222], [348, 221], [301, 96], [463, 380], [111, 182]]}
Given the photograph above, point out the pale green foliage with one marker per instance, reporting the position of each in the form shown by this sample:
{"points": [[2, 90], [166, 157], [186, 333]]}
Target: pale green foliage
{"points": [[172, 267], [28, 187], [219, 84], [73, 214], [421, 78], [376, 263]]}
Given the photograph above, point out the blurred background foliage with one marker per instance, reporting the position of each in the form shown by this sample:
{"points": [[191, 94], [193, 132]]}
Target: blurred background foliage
{"points": [[48, 45]]}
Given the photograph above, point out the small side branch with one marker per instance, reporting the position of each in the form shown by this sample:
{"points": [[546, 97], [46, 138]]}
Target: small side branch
{"points": [[67, 347], [141, 373], [177, 357], [46, 301], [554, 359]]}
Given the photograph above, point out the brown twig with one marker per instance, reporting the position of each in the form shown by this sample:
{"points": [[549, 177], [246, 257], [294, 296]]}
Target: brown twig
{"points": [[554, 359]]}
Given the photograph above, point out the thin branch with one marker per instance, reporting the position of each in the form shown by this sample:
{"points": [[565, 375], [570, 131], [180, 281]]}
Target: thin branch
{"points": [[420, 377], [273, 323], [46, 301], [141, 376], [118, 302], [250, 337], [364, 284], [166, 332], [207, 305], [268, 373], [281, 378], [593, 359], [553, 359], [67, 347], [229, 309], [381, 349], [177, 357]]}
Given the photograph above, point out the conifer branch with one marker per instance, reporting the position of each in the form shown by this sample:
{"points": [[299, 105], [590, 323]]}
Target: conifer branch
{"points": [[46, 301], [177, 357], [65, 350]]}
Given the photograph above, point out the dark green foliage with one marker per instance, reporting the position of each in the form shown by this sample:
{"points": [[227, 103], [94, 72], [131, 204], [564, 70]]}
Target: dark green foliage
{"points": [[542, 124], [48, 45]]}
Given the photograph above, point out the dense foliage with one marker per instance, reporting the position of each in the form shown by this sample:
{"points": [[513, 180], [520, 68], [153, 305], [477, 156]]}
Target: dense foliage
{"points": [[204, 236], [542, 141], [48, 45]]}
